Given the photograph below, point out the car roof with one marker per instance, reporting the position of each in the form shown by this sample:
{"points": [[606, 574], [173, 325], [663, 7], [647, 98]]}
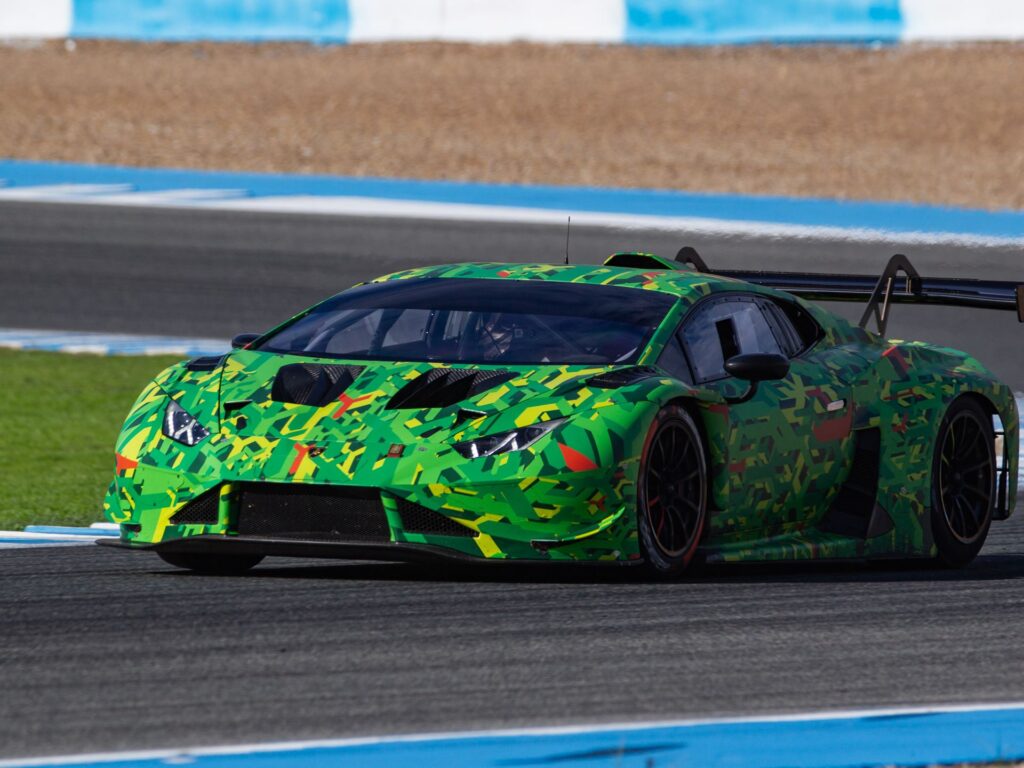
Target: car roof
{"points": [[681, 283]]}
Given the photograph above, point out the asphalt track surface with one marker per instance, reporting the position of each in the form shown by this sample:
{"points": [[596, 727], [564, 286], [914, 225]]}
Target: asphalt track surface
{"points": [[209, 273], [104, 650]]}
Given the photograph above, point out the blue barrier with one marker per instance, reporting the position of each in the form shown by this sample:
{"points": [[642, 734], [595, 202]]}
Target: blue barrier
{"points": [[667, 22], [704, 22], [176, 20]]}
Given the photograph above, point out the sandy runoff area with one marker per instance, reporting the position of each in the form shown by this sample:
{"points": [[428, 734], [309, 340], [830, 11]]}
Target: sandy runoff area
{"points": [[938, 124]]}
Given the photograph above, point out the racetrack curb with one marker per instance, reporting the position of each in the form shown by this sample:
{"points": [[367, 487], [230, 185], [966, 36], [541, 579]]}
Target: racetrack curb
{"points": [[56, 536], [907, 737]]}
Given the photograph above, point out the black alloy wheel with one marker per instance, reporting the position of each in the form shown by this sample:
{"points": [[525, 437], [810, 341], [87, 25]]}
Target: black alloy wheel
{"points": [[963, 482], [672, 492]]}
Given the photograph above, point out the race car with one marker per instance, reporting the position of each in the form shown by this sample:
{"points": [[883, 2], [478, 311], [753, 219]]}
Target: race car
{"points": [[648, 411]]}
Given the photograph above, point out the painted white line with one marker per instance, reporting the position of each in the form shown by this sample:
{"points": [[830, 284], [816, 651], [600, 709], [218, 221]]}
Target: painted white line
{"points": [[422, 210], [29, 537], [189, 754], [61, 191], [377, 208], [171, 196]]}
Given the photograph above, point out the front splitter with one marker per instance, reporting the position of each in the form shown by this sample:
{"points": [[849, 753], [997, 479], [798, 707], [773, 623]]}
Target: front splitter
{"points": [[279, 547]]}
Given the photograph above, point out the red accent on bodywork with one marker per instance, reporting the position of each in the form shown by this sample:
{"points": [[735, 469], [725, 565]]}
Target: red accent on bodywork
{"points": [[719, 408], [834, 429], [738, 467], [302, 451], [504, 273], [576, 461], [123, 463], [346, 403], [901, 428]]}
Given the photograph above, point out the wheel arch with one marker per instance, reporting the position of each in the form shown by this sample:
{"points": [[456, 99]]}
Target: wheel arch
{"points": [[1006, 449], [707, 417]]}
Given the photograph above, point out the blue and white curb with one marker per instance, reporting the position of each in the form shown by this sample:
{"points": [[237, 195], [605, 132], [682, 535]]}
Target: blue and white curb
{"points": [[694, 213], [669, 22], [904, 737], [87, 342], [56, 536]]}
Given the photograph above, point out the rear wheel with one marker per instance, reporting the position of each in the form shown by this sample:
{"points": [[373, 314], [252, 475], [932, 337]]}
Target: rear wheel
{"points": [[963, 483], [220, 565], [672, 492]]}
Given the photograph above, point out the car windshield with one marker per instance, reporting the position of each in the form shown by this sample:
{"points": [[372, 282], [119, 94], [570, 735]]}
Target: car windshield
{"points": [[462, 320]]}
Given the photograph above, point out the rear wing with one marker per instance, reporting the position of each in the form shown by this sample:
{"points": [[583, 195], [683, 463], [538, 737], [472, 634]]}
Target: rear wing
{"points": [[899, 283]]}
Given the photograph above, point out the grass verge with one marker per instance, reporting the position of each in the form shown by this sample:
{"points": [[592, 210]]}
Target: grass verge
{"points": [[59, 417]]}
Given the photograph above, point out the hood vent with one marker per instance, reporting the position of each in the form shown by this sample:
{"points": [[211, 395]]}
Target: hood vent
{"points": [[623, 377], [441, 387], [204, 363], [309, 384]]}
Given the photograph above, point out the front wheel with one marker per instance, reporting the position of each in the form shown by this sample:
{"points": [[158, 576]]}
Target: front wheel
{"points": [[214, 565], [963, 483], [672, 495]]}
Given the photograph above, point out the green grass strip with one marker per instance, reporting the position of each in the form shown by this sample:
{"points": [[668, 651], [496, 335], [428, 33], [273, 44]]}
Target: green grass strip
{"points": [[59, 417]]}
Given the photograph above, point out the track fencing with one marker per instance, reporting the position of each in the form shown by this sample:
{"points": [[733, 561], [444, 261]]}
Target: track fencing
{"points": [[667, 22]]}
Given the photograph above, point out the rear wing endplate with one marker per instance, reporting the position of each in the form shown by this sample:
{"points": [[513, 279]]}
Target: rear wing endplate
{"points": [[899, 283]]}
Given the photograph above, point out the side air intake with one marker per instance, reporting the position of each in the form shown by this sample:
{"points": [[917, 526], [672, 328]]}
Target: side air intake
{"points": [[202, 510], [418, 519], [310, 384], [441, 387]]}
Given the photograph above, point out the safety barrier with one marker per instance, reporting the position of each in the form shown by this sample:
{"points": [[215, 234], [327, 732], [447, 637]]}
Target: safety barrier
{"points": [[667, 22]]}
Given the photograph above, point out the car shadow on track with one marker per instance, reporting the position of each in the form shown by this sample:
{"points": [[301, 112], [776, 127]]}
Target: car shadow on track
{"points": [[999, 567]]}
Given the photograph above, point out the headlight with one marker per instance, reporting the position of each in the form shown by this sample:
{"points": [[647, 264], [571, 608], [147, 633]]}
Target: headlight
{"points": [[182, 426], [505, 442]]}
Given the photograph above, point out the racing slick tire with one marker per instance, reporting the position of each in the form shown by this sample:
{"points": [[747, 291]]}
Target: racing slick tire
{"points": [[214, 565], [963, 483], [672, 492]]}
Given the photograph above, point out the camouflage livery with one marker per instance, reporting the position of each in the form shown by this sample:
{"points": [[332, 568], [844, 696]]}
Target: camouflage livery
{"points": [[777, 462]]}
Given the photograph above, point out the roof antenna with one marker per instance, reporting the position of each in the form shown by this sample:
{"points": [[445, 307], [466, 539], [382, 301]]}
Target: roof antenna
{"points": [[568, 228]]}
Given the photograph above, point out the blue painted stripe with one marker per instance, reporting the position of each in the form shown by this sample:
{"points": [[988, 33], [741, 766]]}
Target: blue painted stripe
{"points": [[109, 344], [175, 20], [713, 22], [70, 530], [40, 542], [908, 738], [891, 217]]}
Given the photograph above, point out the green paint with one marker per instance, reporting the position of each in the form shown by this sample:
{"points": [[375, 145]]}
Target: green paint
{"points": [[777, 461]]}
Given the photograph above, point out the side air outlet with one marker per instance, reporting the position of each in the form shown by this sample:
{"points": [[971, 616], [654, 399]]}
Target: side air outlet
{"points": [[622, 377], [204, 363], [441, 387], [310, 384]]}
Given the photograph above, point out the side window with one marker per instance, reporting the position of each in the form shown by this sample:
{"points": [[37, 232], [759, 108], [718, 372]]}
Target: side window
{"points": [[410, 326], [724, 328], [792, 325], [673, 360]]}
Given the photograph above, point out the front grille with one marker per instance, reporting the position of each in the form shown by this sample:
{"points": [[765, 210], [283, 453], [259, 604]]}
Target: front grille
{"points": [[417, 519], [202, 510], [338, 513]]}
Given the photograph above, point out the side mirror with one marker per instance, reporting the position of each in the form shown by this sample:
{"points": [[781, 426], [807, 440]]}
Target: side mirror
{"points": [[757, 367], [242, 340]]}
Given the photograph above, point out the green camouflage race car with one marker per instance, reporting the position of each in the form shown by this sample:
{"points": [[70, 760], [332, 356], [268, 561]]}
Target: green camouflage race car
{"points": [[647, 411]]}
